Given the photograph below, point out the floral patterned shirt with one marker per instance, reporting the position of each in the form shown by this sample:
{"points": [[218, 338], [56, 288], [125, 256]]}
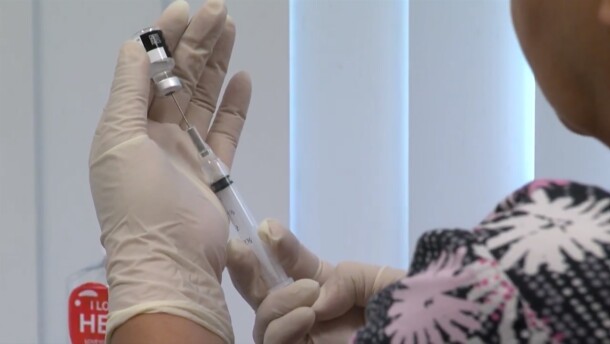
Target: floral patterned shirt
{"points": [[537, 270]]}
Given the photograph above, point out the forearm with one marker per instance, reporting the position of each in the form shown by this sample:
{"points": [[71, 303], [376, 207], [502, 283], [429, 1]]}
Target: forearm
{"points": [[160, 328]]}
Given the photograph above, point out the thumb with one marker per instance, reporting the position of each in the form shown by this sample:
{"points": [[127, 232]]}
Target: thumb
{"points": [[298, 261], [350, 285], [291, 328], [126, 110], [281, 302]]}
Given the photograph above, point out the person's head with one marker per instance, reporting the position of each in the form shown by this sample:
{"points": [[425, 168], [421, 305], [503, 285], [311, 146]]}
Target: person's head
{"points": [[567, 43]]}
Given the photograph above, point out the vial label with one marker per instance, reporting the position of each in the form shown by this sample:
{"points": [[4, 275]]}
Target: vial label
{"points": [[87, 313], [154, 40]]}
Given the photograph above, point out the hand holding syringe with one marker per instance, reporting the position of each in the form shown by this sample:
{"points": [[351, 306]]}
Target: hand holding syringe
{"points": [[216, 173]]}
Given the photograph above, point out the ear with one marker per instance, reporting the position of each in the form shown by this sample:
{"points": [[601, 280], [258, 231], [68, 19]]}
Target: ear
{"points": [[604, 12]]}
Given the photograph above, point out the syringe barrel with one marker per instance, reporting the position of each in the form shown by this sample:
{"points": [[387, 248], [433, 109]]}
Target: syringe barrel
{"points": [[245, 225], [217, 177]]}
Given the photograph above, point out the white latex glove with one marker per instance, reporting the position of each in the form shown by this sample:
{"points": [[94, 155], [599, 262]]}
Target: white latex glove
{"points": [[289, 315], [164, 230]]}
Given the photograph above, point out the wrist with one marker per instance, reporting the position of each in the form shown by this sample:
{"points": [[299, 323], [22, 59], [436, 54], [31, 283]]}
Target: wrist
{"points": [[386, 276], [160, 282]]}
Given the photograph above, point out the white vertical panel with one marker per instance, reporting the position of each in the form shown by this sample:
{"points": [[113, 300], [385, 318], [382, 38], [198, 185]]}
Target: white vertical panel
{"points": [[79, 43], [563, 154], [348, 155], [471, 128], [18, 275]]}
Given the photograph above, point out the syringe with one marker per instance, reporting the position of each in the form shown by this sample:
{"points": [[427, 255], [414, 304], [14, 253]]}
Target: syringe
{"points": [[220, 182], [215, 171]]}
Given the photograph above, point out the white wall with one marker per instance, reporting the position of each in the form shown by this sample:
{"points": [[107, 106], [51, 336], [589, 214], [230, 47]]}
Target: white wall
{"points": [[349, 93], [562, 154], [18, 276], [471, 128]]}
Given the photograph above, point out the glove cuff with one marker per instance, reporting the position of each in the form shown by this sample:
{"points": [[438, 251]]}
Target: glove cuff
{"points": [[217, 322], [386, 276]]}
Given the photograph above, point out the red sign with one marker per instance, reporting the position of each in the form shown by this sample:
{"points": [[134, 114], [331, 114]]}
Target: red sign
{"points": [[87, 313]]}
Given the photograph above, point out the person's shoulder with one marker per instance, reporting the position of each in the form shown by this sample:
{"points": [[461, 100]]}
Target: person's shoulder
{"points": [[541, 192], [548, 223], [541, 210], [548, 199]]}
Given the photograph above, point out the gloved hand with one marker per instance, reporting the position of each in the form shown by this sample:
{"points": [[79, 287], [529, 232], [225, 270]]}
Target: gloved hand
{"points": [[163, 229], [292, 314]]}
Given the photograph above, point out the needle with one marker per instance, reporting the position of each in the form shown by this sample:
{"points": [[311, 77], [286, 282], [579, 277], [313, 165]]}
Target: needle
{"points": [[188, 125]]}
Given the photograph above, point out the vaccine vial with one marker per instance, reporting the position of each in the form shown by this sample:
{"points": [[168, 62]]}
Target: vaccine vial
{"points": [[88, 305], [161, 61]]}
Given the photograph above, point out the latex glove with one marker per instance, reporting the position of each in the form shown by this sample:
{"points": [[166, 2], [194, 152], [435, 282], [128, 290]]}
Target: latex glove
{"points": [[284, 316], [351, 285], [163, 229]]}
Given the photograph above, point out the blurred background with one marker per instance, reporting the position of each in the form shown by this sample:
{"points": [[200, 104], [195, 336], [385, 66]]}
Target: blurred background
{"points": [[372, 121]]}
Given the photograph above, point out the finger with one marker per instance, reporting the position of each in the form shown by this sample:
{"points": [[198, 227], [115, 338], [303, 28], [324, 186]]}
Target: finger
{"points": [[302, 293], [125, 114], [172, 22], [191, 54], [226, 129], [291, 328], [205, 98], [244, 270], [352, 284], [296, 259], [337, 296], [198, 41]]}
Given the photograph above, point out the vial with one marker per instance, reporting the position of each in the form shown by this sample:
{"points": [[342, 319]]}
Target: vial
{"points": [[161, 61]]}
